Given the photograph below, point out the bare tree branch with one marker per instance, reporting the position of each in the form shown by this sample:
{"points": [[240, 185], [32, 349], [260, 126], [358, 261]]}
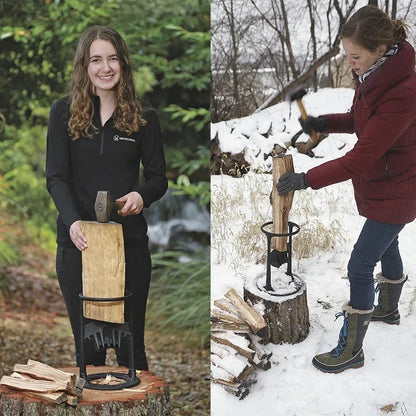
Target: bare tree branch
{"points": [[393, 9], [300, 80], [313, 39]]}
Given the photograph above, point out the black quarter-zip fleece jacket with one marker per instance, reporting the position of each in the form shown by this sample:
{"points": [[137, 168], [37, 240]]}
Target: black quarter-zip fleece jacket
{"points": [[109, 161]]}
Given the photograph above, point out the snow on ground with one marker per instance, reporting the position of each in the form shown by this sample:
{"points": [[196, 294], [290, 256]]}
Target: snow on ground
{"points": [[239, 207]]}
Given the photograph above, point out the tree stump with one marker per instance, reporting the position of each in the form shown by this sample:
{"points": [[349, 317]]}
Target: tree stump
{"points": [[285, 309], [149, 398]]}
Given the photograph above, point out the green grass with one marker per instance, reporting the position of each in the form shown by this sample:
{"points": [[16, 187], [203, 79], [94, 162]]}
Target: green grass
{"points": [[179, 298]]}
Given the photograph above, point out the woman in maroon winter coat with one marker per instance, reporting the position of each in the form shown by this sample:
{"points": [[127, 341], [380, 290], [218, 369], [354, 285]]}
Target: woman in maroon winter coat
{"points": [[382, 167]]}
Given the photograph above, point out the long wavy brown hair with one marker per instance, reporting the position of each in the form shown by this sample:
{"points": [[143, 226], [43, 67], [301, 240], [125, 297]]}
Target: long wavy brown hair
{"points": [[127, 116]]}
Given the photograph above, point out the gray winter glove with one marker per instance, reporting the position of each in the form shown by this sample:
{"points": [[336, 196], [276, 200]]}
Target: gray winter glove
{"points": [[313, 123], [291, 182]]}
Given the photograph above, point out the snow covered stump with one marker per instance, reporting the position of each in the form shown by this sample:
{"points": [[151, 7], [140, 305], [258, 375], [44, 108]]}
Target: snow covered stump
{"points": [[281, 296], [287, 316], [282, 299]]}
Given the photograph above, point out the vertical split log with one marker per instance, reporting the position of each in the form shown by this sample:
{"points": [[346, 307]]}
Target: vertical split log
{"points": [[103, 270], [281, 204]]}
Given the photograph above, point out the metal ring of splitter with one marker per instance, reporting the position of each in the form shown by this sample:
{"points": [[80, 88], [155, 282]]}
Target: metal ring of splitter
{"points": [[290, 233], [297, 282], [95, 299]]}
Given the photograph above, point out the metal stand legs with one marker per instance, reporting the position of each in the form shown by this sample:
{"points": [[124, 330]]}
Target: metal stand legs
{"points": [[106, 335]]}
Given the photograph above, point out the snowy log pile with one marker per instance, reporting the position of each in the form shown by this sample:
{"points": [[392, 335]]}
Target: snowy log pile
{"points": [[249, 144], [237, 332], [45, 382], [226, 163]]}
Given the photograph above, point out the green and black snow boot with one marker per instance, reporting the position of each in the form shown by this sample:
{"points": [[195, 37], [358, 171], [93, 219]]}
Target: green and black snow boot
{"points": [[388, 300], [349, 352]]}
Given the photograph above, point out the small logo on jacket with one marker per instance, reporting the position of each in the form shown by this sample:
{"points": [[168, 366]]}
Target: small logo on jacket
{"points": [[117, 138]]}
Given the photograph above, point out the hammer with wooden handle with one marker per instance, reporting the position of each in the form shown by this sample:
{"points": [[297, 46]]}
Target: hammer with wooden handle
{"points": [[297, 96], [104, 206]]}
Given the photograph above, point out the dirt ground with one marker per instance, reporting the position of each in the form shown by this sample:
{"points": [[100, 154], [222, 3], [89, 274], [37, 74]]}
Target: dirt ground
{"points": [[33, 324]]}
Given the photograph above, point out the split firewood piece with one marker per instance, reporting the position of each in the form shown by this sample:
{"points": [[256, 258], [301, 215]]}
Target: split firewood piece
{"points": [[249, 314], [223, 321], [79, 387], [281, 204], [38, 370], [73, 400], [222, 325], [39, 386], [231, 384], [261, 358], [241, 371], [236, 365], [103, 270], [239, 343], [220, 375], [41, 371], [221, 350], [76, 383], [226, 306], [57, 398], [227, 317], [241, 390]]}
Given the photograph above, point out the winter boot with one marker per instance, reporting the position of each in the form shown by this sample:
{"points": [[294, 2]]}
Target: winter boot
{"points": [[388, 300], [349, 352]]}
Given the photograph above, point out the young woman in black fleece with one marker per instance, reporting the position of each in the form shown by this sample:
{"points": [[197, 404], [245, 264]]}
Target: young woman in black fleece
{"points": [[97, 138]]}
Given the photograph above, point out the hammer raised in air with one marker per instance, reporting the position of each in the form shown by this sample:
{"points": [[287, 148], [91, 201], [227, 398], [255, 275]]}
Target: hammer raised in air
{"points": [[297, 95]]}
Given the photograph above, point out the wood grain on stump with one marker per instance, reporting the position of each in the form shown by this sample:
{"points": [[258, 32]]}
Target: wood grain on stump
{"points": [[286, 316], [149, 398]]}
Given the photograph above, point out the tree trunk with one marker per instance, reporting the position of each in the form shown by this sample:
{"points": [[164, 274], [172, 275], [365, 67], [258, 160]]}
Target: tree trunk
{"points": [[149, 398], [287, 316], [394, 9], [313, 39]]}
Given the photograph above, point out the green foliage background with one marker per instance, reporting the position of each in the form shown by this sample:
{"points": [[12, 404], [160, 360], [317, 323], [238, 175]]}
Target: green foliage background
{"points": [[169, 45]]}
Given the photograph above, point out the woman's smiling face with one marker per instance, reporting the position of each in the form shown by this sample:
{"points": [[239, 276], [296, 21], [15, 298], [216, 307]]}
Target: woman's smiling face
{"points": [[104, 66], [359, 58]]}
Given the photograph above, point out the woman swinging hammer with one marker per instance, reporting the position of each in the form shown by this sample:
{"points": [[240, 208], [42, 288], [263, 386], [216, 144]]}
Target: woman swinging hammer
{"points": [[382, 166]]}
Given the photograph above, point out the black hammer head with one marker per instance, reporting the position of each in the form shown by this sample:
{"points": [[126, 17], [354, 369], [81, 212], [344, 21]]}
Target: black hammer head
{"points": [[297, 94], [103, 206]]}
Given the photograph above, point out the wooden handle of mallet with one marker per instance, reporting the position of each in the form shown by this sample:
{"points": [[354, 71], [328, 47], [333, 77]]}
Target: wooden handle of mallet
{"points": [[119, 205], [281, 204], [303, 115]]}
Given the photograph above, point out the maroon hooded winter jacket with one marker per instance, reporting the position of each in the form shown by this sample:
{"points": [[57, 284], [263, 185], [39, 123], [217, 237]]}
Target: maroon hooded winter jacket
{"points": [[382, 164]]}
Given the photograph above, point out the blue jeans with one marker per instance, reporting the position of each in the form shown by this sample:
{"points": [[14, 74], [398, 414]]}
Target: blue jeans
{"points": [[378, 241]]}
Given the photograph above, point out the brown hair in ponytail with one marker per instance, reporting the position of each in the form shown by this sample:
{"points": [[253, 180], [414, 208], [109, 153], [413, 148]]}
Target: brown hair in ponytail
{"points": [[370, 27]]}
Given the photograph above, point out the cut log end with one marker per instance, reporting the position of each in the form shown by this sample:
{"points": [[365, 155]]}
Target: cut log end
{"points": [[287, 320], [149, 398], [235, 353]]}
